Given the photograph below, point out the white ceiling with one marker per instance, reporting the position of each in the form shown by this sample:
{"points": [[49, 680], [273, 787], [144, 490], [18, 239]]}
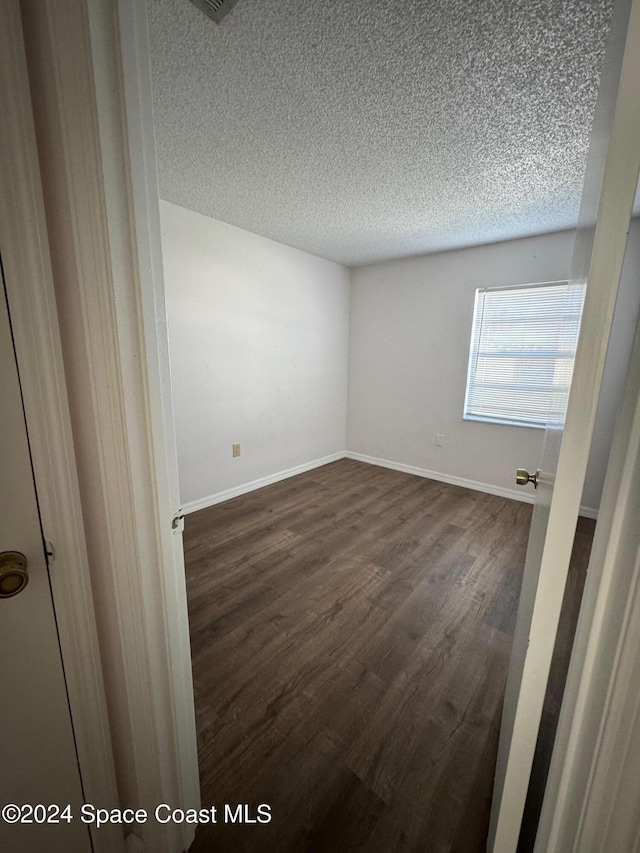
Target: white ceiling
{"points": [[361, 130]]}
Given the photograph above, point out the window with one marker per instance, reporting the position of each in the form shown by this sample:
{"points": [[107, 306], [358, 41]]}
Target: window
{"points": [[522, 350]]}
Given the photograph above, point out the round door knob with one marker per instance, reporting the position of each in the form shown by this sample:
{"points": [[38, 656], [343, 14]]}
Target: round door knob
{"points": [[523, 477], [13, 573]]}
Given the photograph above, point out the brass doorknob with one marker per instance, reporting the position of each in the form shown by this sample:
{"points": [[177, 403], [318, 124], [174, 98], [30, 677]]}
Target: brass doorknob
{"points": [[13, 573], [523, 477]]}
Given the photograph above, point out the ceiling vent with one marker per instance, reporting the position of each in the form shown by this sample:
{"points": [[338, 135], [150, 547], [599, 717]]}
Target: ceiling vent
{"points": [[215, 9]]}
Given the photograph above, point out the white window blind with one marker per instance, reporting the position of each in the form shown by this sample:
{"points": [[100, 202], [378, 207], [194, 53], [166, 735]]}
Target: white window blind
{"points": [[522, 350]]}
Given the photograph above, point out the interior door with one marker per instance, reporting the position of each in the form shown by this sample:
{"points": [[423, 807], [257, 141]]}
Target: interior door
{"points": [[38, 763], [611, 178]]}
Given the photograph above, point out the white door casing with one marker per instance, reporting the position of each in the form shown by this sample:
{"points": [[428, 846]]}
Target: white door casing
{"points": [[591, 795], [612, 173], [112, 333], [26, 260], [136, 73]]}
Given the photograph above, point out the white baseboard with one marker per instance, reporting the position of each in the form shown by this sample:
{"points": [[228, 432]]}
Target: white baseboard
{"points": [[589, 512], [489, 488], [236, 491]]}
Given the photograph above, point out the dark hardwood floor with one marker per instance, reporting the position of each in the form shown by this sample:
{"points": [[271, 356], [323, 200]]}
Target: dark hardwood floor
{"points": [[350, 631]]}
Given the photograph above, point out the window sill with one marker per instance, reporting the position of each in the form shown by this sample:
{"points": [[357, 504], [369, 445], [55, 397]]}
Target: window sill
{"points": [[479, 419]]}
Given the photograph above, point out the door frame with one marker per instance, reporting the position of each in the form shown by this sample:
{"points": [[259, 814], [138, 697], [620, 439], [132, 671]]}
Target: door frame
{"points": [[111, 48], [145, 211], [29, 284], [597, 748], [98, 182]]}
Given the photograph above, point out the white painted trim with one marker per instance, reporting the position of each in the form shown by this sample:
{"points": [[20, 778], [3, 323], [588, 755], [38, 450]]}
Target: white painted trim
{"points": [[465, 483], [488, 488], [76, 70], [588, 512], [597, 740], [134, 51], [26, 259], [236, 491]]}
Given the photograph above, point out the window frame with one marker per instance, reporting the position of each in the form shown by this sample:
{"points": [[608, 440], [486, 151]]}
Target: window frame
{"points": [[510, 287]]}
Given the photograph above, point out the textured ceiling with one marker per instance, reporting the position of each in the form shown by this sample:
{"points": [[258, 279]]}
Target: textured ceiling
{"points": [[361, 130]]}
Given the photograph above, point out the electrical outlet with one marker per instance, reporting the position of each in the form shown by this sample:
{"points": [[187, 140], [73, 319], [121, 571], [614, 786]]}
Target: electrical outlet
{"points": [[439, 439], [236, 450]]}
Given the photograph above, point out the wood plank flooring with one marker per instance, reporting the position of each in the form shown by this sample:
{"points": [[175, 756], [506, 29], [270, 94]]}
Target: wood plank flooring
{"points": [[350, 631]]}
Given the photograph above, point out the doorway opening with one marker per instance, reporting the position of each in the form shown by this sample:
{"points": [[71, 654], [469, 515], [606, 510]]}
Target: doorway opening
{"points": [[235, 584]]}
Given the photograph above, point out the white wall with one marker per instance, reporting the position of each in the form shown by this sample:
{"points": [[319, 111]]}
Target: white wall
{"points": [[262, 339], [259, 353], [410, 331]]}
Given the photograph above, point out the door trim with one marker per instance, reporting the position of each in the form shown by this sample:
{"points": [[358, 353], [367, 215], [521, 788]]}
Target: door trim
{"points": [[145, 211], [594, 767], [105, 271], [29, 283]]}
